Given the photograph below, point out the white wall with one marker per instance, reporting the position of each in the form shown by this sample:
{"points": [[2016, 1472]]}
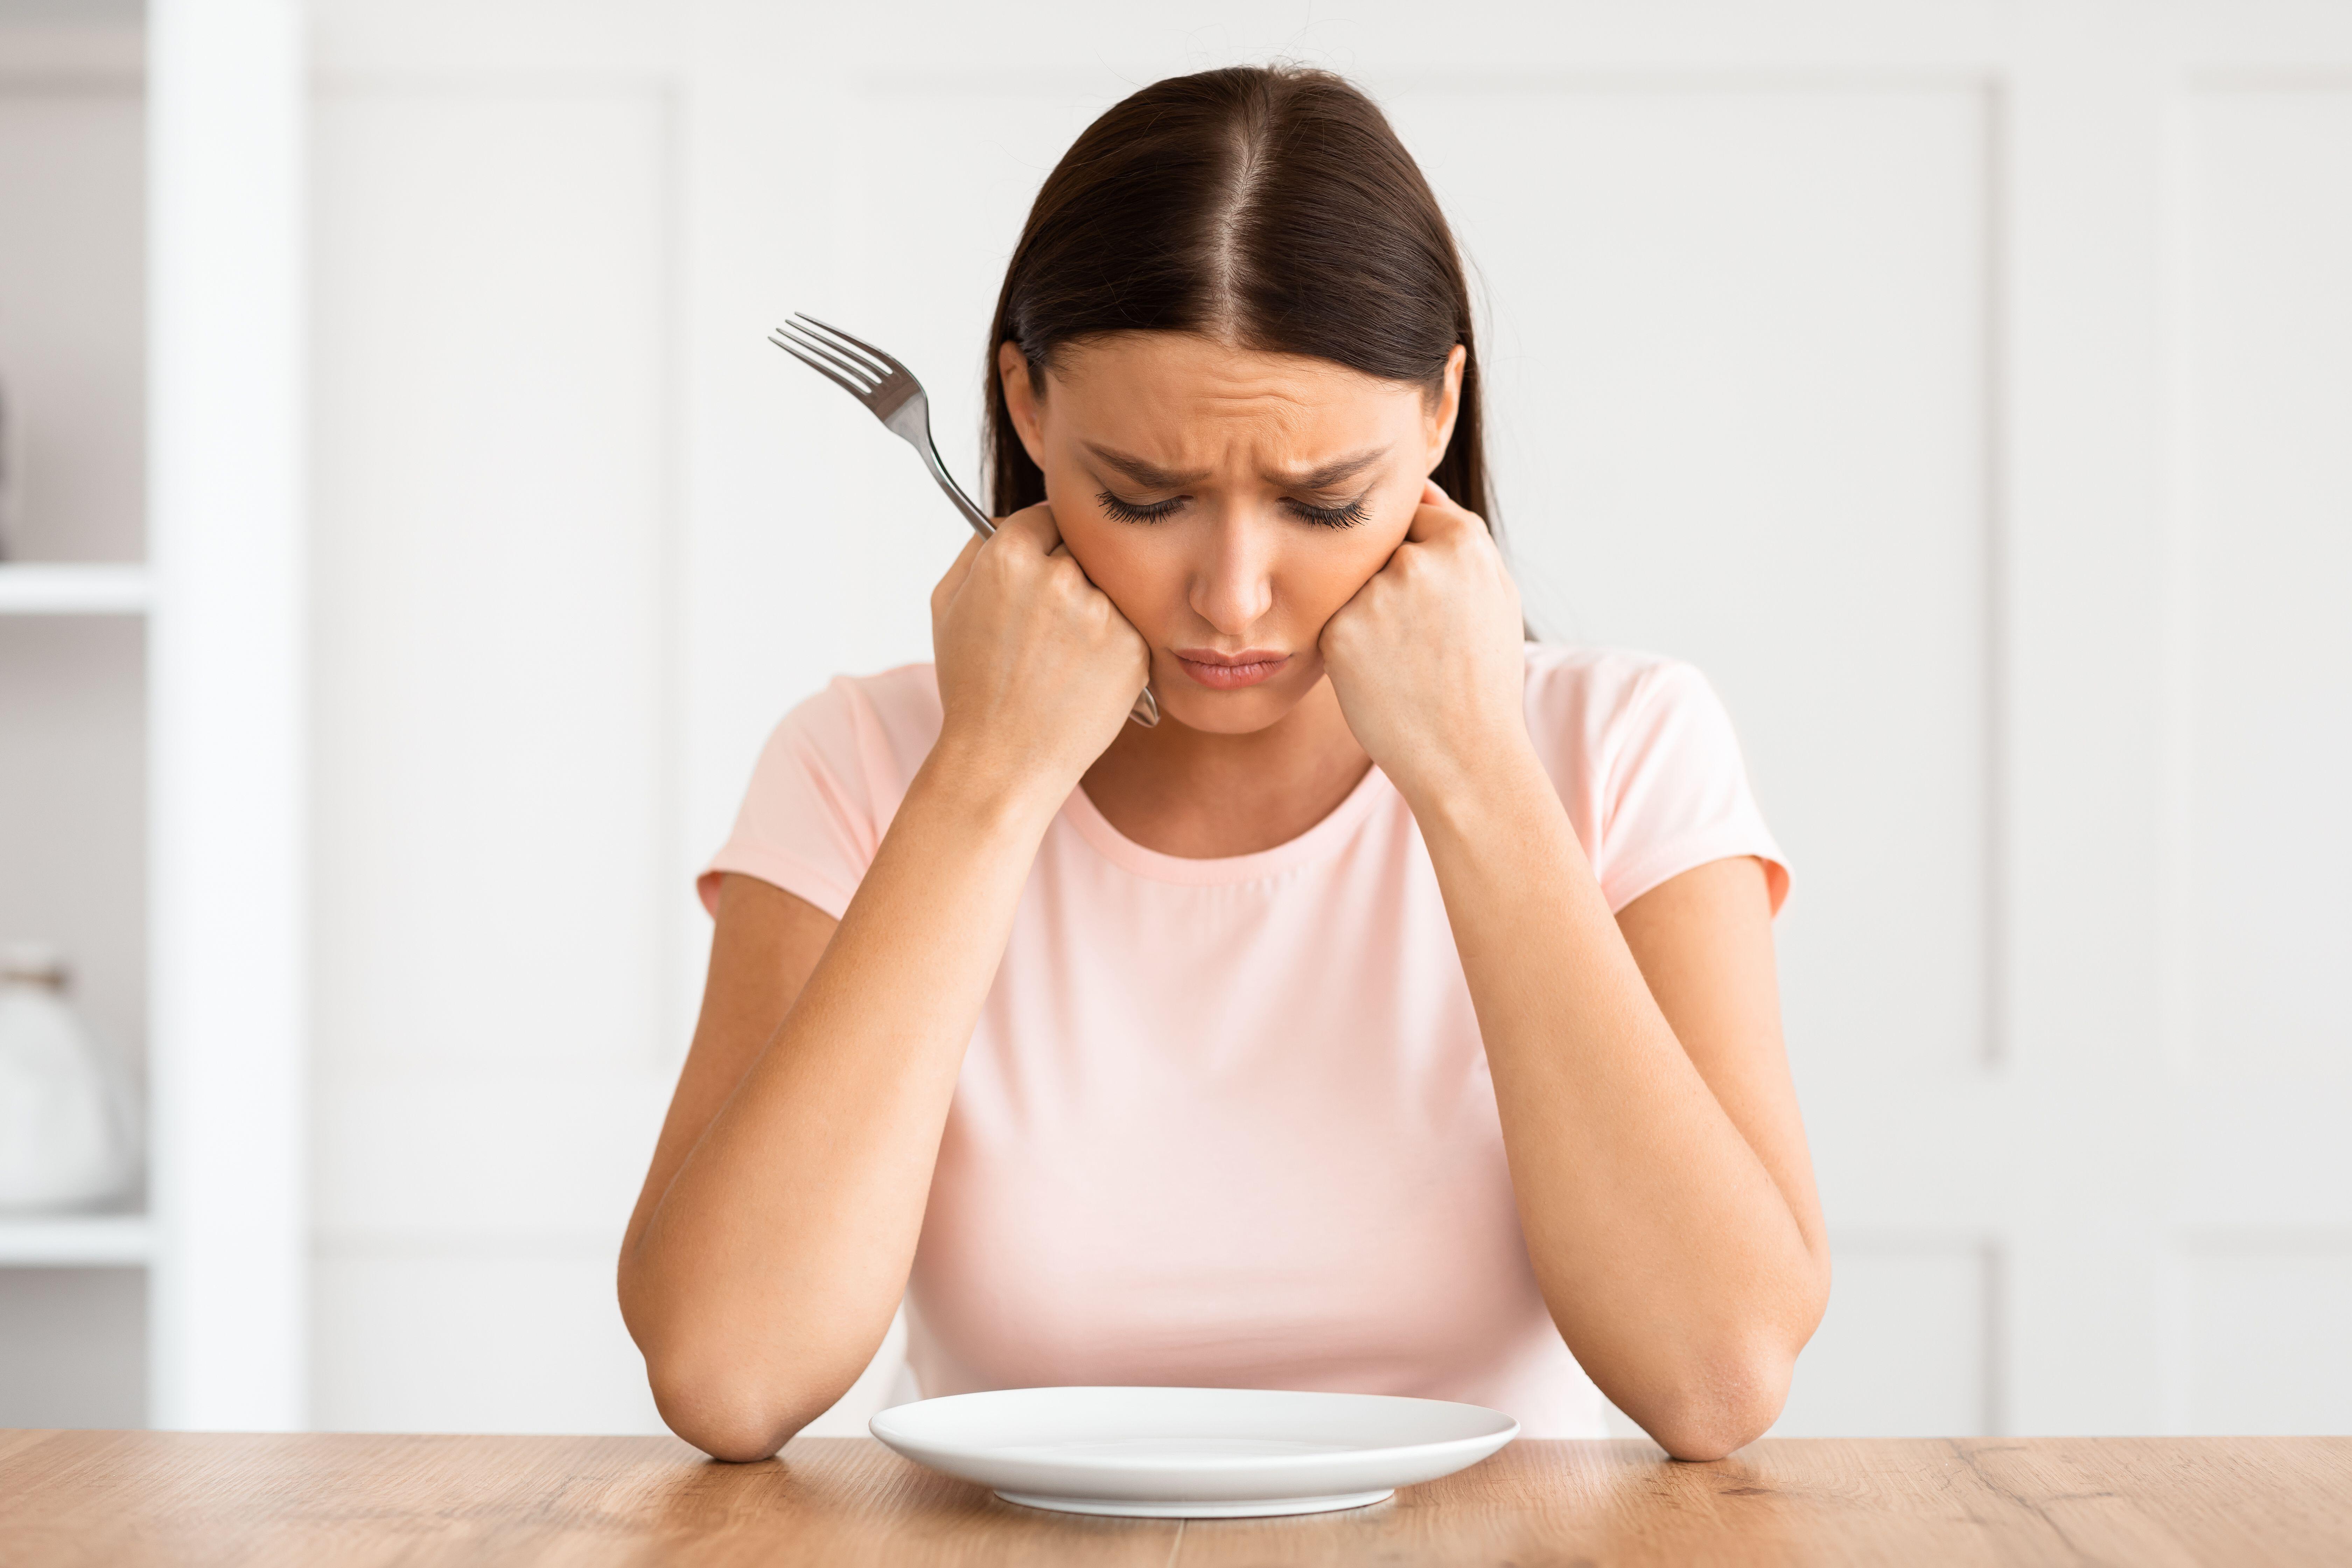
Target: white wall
{"points": [[491, 281], [2258, 927], [1962, 386]]}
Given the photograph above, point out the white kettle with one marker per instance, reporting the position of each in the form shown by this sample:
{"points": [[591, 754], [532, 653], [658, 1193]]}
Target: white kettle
{"points": [[68, 1131]]}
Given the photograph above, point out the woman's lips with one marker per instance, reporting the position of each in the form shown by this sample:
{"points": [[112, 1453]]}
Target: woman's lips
{"points": [[1230, 671]]}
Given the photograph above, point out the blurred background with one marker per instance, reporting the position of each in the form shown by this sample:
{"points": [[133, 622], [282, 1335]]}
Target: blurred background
{"points": [[410, 540]]}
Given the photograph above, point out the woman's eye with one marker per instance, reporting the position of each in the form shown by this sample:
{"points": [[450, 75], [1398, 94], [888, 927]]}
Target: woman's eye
{"points": [[1128, 511], [1345, 516]]}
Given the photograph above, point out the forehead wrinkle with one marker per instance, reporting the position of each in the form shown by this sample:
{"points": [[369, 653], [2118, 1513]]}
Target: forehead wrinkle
{"points": [[1232, 412]]}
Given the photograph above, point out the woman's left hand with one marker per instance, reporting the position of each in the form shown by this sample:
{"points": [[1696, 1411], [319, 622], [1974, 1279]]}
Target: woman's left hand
{"points": [[1427, 658]]}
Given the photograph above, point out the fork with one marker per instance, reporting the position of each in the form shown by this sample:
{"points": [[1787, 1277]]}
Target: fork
{"points": [[890, 391]]}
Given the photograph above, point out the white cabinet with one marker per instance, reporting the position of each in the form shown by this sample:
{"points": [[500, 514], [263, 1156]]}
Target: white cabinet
{"points": [[151, 796]]}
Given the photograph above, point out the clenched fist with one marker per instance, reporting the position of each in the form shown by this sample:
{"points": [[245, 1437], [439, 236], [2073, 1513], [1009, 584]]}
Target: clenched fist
{"points": [[1037, 667], [1428, 658]]}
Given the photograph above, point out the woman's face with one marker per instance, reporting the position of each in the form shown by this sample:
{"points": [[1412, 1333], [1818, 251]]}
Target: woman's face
{"points": [[1227, 501]]}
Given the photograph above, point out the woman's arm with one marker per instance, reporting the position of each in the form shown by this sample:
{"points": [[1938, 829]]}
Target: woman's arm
{"points": [[1652, 1131], [778, 1222]]}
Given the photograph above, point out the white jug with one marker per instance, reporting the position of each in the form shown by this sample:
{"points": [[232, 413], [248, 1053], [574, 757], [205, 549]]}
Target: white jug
{"points": [[68, 1133]]}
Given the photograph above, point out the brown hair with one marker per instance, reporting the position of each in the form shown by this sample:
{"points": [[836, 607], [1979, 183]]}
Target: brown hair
{"points": [[1272, 207]]}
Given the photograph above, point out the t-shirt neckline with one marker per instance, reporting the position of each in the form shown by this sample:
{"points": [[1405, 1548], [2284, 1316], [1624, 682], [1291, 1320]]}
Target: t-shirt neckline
{"points": [[1315, 844]]}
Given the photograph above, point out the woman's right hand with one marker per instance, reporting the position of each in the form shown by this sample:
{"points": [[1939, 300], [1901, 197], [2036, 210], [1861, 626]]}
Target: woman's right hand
{"points": [[1037, 667]]}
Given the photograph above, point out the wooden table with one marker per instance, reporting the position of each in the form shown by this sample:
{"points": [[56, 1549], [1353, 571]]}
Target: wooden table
{"points": [[125, 1498]]}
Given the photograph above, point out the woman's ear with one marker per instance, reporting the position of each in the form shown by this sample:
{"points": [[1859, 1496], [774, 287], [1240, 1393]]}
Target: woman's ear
{"points": [[1444, 408], [1020, 399]]}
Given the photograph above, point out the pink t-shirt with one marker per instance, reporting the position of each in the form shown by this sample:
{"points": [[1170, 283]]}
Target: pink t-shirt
{"points": [[1228, 1122]]}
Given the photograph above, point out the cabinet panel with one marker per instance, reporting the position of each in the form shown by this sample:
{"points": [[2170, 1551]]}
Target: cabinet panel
{"points": [[73, 1347], [73, 809], [2267, 1344], [73, 313], [1906, 1350], [2270, 576]]}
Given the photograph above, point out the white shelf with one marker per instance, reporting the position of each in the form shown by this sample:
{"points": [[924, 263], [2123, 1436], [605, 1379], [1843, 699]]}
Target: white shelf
{"points": [[38, 588], [222, 88], [73, 1241]]}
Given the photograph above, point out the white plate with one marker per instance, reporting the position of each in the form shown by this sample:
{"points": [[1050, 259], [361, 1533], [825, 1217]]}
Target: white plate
{"points": [[1192, 1453]]}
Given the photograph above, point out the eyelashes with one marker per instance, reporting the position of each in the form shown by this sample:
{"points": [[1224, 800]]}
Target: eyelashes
{"points": [[1345, 516], [1128, 511], [1330, 516]]}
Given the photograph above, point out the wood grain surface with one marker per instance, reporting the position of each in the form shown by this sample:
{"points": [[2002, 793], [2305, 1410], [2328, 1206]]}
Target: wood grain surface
{"points": [[323, 1500]]}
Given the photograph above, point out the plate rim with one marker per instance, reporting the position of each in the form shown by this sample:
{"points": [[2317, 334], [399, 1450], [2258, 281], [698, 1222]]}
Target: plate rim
{"points": [[1494, 1440]]}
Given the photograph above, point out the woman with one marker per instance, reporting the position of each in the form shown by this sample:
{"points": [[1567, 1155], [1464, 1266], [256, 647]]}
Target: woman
{"points": [[1398, 1016]]}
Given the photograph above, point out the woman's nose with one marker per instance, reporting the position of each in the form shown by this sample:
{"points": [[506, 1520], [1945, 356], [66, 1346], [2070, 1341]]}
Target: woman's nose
{"points": [[1233, 588]]}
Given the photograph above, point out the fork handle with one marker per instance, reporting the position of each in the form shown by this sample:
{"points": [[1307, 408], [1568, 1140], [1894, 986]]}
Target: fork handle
{"points": [[971, 514], [1145, 711]]}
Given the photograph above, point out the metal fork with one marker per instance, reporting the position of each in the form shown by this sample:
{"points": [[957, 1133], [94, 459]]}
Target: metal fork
{"points": [[891, 393]]}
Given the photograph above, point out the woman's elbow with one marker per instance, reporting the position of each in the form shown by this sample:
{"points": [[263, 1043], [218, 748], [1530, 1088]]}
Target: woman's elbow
{"points": [[737, 1443], [1727, 1405], [723, 1418], [1730, 1396]]}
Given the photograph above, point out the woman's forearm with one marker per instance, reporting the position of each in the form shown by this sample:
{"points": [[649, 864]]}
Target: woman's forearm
{"points": [[1677, 1269], [769, 1269]]}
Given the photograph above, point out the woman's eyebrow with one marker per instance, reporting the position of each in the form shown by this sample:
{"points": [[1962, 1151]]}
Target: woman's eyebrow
{"points": [[1332, 473], [1150, 476]]}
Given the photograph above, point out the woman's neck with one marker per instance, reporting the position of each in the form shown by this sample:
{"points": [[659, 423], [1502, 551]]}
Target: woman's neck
{"points": [[1202, 795]]}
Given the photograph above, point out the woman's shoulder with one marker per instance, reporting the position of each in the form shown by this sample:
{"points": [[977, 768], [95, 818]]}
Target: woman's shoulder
{"points": [[879, 726], [1648, 763], [907, 693], [1588, 694], [826, 784]]}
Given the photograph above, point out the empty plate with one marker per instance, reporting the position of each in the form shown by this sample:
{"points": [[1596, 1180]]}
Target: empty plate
{"points": [[1192, 1453]]}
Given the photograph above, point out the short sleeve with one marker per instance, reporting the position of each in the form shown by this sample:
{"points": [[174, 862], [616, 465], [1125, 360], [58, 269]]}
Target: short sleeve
{"points": [[808, 823], [1674, 790]]}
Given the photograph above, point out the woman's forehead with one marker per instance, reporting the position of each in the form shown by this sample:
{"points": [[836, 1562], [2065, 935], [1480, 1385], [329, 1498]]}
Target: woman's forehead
{"points": [[1153, 393]]}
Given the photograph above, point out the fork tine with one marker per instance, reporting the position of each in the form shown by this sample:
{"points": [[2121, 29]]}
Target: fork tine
{"points": [[809, 331], [846, 361], [858, 343], [825, 371]]}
